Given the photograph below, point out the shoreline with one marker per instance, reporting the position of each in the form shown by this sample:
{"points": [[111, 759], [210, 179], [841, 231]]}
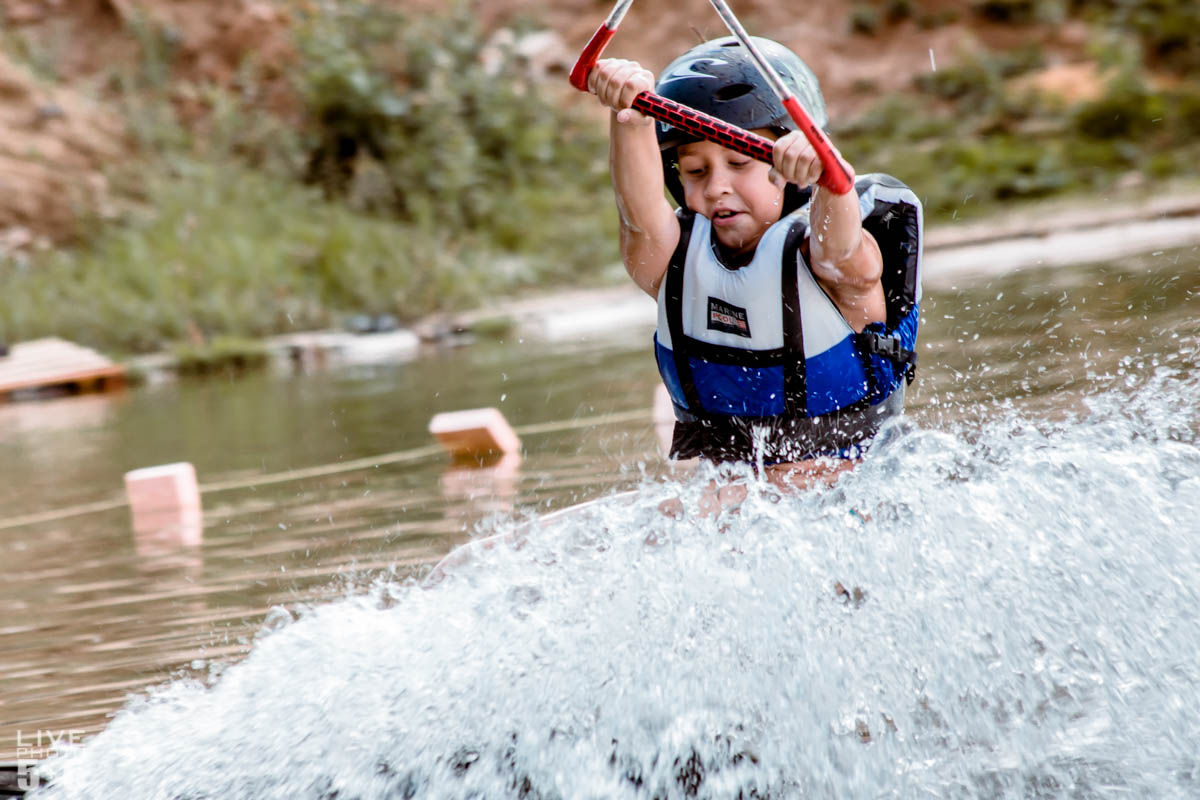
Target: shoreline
{"points": [[1054, 232]]}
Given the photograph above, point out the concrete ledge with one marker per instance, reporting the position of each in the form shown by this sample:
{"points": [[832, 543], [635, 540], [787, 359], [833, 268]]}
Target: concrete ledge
{"points": [[1058, 216], [943, 266]]}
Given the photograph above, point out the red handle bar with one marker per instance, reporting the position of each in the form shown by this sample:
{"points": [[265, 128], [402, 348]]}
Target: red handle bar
{"points": [[836, 176]]}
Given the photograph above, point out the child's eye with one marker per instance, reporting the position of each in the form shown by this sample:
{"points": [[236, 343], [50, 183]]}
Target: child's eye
{"points": [[740, 164]]}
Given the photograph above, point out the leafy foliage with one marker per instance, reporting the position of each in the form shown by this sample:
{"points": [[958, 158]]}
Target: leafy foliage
{"points": [[1168, 29], [452, 139], [224, 354], [979, 140], [1128, 110]]}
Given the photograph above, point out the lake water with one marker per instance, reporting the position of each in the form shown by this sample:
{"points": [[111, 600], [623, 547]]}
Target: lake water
{"points": [[1021, 559]]}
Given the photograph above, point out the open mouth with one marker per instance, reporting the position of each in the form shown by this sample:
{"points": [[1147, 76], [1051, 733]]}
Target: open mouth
{"points": [[725, 214]]}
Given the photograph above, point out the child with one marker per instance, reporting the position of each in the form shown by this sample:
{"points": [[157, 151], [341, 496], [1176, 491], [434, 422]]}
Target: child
{"points": [[787, 314]]}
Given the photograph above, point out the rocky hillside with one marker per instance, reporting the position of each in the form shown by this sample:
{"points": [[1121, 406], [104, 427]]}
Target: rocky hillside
{"points": [[61, 59]]}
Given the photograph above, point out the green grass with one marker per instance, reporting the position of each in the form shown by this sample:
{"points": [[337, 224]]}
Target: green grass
{"points": [[223, 250]]}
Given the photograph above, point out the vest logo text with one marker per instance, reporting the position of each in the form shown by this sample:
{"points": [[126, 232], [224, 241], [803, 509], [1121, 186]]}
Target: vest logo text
{"points": [[727, 318]]}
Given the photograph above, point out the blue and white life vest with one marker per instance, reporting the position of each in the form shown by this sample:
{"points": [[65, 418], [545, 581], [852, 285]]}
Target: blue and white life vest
{"points": [[763, 346]]}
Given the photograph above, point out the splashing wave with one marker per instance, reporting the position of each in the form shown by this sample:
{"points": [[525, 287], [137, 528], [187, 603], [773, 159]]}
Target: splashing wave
{"points": [[1006, 609]]}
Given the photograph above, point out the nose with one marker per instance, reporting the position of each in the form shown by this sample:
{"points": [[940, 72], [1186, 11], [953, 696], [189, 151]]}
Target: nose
{"points": [[719, 182]]}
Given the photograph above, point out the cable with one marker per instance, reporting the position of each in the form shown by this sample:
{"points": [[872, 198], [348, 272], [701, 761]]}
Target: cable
{"points": [[397, 457]]}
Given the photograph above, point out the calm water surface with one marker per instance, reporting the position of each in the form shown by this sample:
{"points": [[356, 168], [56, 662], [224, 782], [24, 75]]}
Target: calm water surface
{"points": [[90, 615]]}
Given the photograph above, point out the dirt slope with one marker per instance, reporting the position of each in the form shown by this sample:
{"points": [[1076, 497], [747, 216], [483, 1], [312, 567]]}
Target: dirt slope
{"points": [[57, 137]]}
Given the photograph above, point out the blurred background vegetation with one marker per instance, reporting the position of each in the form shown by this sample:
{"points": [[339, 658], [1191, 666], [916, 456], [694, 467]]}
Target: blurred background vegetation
{"points": [[977, 134], [416, 180], [415, 177]]}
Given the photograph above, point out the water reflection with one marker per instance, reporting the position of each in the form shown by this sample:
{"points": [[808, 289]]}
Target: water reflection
{"points": [[74, 413], [472, 489]]}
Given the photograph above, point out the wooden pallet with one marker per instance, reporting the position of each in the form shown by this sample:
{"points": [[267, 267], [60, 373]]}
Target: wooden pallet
{"points": [[55, 366]]}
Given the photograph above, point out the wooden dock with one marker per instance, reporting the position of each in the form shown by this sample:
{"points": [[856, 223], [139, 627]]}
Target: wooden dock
{"points": [[56, 366]]}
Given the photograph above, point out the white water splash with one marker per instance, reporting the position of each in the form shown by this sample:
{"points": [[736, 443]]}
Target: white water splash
{"points": [[1020, 620]]}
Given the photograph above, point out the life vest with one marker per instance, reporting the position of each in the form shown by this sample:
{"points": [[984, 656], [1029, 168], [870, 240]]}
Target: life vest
{"points": [[764, 347]]}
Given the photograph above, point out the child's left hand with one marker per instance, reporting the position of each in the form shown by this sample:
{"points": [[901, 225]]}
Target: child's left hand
{"points": [[796, 161]]}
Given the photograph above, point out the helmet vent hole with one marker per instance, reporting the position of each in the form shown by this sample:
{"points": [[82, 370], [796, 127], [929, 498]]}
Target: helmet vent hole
{"points": [[732, 92]]}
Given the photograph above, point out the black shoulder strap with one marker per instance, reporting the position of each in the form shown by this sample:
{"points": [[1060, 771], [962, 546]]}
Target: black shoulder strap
{"points": [[894, 219], [794, 384], [679, 349]]}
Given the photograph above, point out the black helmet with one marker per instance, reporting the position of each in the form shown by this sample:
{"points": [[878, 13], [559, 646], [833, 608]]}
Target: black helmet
{"points": [[720, 78]]}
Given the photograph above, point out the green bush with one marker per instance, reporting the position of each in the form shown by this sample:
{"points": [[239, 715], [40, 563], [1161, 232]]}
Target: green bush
{"points": [[1185, 111], [1127, 110], [224, 354], [1001, 145], [1010, 11], [1168, 29], [864, 19], [977, 80], [971, 81], [1004, 168], [406, 120], [454, 141]]}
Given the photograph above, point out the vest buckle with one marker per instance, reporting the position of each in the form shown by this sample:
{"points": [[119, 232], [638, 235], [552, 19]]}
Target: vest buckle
{"points": [[890, 348]]}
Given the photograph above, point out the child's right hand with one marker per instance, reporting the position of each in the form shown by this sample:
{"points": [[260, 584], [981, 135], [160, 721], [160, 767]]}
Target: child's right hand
{"points": [[616, 82]]}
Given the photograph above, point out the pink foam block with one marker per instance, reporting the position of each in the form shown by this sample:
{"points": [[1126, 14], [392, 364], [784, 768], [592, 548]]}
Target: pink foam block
{"points": [[474, 432], [165, 498]]}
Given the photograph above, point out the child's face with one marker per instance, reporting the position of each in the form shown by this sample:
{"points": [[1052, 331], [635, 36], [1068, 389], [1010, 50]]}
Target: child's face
{"points": [[733, 191]]}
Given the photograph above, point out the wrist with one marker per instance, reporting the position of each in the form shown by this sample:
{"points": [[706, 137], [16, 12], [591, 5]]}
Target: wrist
{"points": [[628, 118]]}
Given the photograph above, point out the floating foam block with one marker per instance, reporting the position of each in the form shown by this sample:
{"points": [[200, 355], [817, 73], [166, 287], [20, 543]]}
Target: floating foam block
{"points": [[474, 432], [165, 502]]}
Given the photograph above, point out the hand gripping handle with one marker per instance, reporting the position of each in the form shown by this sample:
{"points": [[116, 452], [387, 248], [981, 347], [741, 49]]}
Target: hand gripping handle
{"points": [[670, 112], [836, 175]]}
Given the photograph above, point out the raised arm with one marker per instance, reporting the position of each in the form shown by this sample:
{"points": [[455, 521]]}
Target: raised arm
{"points": [[844, 258], [649, 229]]}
